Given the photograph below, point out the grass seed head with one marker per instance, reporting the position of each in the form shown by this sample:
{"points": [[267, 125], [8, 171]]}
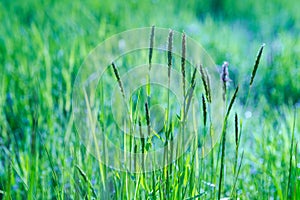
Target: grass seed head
{"points": [[116, 72], [151, 45], [170, 47], [236, 129], [256, 64], [225, 78], [206, 83], [183, 56]]}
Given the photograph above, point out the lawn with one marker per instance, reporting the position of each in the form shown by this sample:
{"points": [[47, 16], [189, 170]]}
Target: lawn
{"points": [[250, 126]]}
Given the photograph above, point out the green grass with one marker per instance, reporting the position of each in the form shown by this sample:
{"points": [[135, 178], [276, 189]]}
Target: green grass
{"points": [[42, 46]]}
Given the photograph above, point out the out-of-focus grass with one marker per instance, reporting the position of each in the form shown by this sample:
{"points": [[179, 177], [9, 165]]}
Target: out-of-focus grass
{"points": [[42, 45]]}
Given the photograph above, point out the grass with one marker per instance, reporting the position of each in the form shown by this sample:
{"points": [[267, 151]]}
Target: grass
{"points": [[42, 46]]}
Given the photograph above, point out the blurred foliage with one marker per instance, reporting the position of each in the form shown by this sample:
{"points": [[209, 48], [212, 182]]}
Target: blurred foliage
{"points": [[230, 30], [253, 22], [43, 43]]}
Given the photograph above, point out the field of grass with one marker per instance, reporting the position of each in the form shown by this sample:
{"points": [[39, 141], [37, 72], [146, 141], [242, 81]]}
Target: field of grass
{"points": [[42, 46]]}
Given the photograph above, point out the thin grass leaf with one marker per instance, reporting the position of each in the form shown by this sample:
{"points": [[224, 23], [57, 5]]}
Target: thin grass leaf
{"points": [[142, 143], [193, 81], [153, 186], [288, 193], [297, 170], [222, 160], [33, 101], [8, 183], [137, 187], [196, 196], [190, 174], [22, 179], [171, 148], [86, 179], [237, 175], [92, 123], [54, 175], [224, 141], [232, 101]]}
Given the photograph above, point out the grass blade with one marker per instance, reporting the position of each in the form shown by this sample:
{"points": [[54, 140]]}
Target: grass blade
{"points": [[223, 143], [288, 193], [86, 179], [237, 174]]}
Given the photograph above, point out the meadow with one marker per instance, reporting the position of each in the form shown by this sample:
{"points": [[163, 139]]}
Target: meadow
{"points": [[256, 156]]}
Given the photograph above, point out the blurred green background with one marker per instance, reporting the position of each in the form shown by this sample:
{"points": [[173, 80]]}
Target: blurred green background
{"points": [[229, 30], [43, 43]]}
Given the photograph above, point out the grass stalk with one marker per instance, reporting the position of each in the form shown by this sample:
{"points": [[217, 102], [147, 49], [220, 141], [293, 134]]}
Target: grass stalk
{"points": [[86, 179], [223, 143], [232, 194], [297, 186], [93, 127], [8, 184], [54, 175], [33, 146], [288, 192], [142, 145]]}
